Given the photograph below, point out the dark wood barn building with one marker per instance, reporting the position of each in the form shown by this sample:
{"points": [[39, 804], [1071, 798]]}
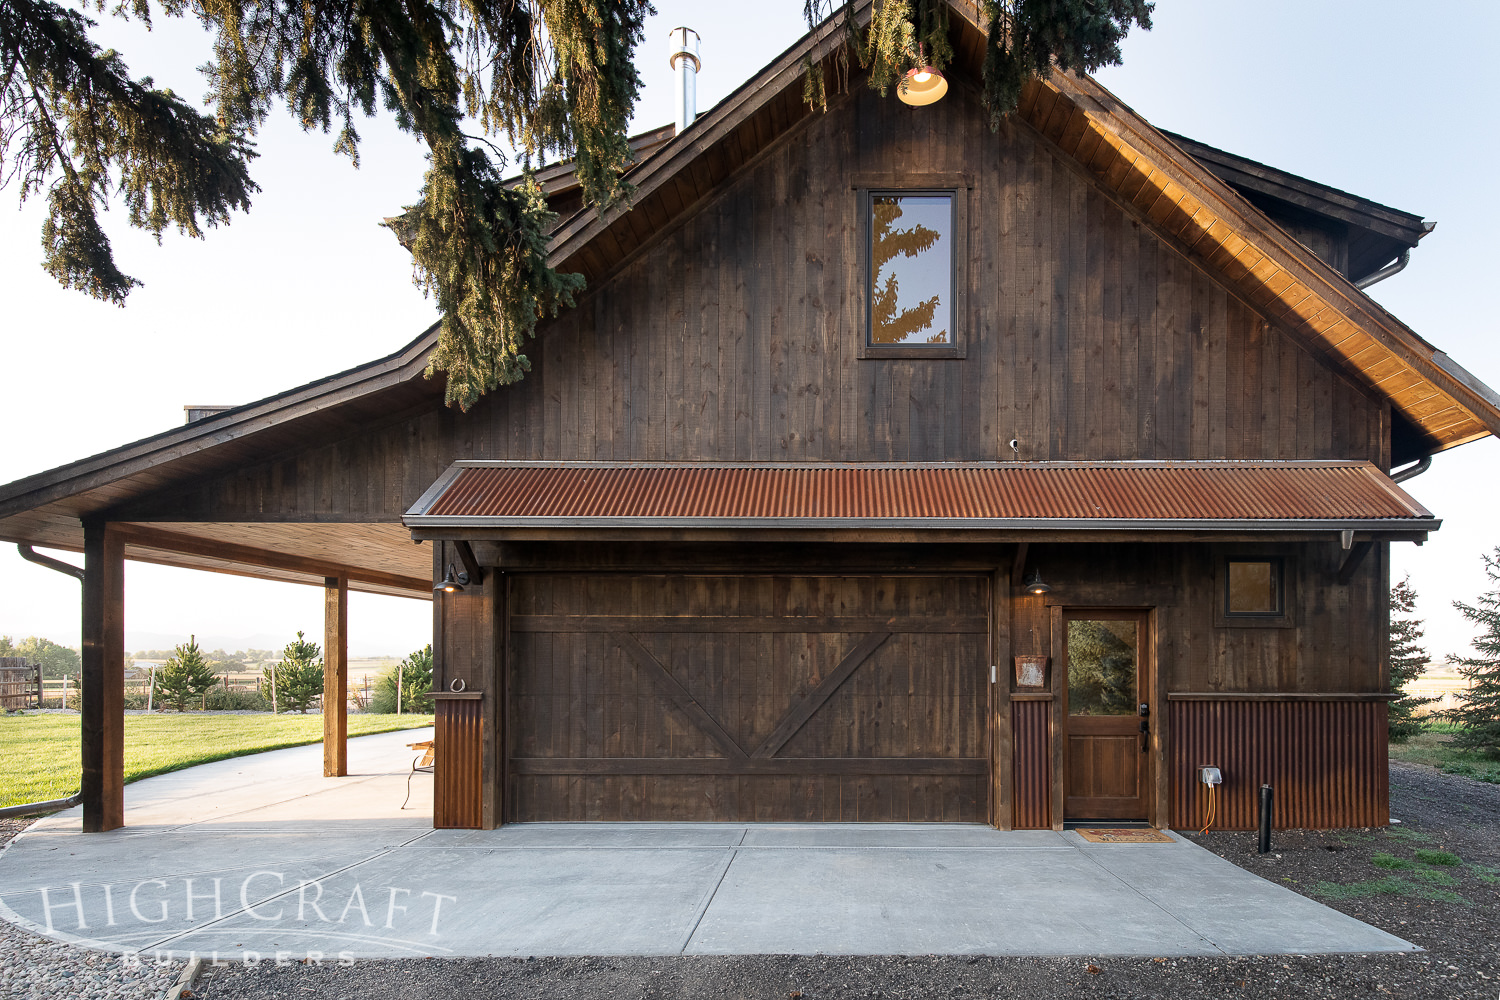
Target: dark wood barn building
{"points": [[891, 469]]}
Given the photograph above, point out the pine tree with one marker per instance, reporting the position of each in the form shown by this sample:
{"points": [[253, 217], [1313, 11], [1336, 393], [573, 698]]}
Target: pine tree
{"points": [[553, 78], [1478, 711], [415, 678], [297, 680], [185, 675], [1408, 659]]}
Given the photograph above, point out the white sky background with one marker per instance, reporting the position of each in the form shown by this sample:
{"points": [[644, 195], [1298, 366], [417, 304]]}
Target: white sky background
{"points": [[1371, 97]]}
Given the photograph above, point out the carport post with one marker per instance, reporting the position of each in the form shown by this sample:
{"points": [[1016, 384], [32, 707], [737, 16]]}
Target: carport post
{"points": [[335, 676], [102, 694]]}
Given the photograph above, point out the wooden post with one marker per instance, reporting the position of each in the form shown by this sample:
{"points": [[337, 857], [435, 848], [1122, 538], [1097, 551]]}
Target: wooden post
{"points": [[335, 676], [102, 680]]}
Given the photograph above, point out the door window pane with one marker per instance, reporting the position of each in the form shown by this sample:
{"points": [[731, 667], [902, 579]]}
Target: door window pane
{"points": [[1101, 667], [1254, 587], [911, 269]]}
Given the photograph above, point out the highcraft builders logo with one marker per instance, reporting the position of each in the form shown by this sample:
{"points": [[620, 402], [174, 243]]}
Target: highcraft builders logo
{"points": [[265, 916]]}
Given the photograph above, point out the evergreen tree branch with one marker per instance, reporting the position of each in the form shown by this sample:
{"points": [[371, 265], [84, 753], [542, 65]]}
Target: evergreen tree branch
{"points": [[73, 123]]}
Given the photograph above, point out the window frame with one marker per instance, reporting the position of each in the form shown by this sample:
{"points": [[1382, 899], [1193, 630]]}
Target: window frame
{"points": [[1282, 618], [954, 186]]}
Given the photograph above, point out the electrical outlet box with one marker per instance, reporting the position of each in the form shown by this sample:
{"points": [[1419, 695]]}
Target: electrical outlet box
{"points": [[1210, 776]]}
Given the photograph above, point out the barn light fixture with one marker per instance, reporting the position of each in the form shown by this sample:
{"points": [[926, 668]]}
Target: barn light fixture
{"points": [[922, 85], [452, 583], [1034, 584]]}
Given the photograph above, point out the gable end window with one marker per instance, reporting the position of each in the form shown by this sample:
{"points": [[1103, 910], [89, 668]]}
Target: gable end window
{"points": [[913, 261]]}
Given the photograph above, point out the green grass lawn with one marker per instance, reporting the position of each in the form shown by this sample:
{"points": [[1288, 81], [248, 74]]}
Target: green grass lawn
{"points": [[40, 760], [1435, 747]]}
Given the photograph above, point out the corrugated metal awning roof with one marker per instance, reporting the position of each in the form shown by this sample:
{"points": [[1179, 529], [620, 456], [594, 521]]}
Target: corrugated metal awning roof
{"points": [[1237, 495]]}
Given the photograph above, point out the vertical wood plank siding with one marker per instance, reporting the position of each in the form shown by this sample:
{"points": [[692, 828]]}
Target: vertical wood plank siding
{"points": [[750, 352], [457, 793], [1325, 759], [1033, 765]]}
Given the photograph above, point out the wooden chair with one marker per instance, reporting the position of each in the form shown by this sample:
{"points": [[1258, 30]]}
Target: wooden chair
{"points": [[423, 761]]}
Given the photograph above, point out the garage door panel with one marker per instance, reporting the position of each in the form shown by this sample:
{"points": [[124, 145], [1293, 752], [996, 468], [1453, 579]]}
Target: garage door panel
{"points": [[856, 698]]}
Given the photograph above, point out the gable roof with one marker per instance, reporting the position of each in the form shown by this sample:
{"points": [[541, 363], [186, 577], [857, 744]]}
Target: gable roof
{"points": [[1178, 196], [1378, 233]]}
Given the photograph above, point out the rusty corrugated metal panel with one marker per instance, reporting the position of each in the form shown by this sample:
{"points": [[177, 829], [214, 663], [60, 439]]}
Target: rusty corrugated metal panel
{"points": [[1327, 761], [457, 792], [1118, 491], [1032, 794]]}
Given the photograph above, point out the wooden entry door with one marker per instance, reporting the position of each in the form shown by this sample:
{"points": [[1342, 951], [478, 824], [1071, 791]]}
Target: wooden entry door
{"points": [[1107, 684]]}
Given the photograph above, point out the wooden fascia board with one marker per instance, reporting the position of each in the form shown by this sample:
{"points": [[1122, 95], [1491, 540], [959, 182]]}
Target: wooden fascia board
{"points": [[145, 455], [1206, 201]]}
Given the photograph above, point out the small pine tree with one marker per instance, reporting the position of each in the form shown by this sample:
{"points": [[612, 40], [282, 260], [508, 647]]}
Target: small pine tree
{"points": [[415, 676], [1408, 660], [185, 675], [1478, 712], [298, 679]]}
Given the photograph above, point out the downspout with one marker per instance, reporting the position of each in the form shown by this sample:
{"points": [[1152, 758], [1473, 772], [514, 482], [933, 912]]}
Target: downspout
{"points": [[1412, 471], [51, 805], [1385, 272], [32, 555]]}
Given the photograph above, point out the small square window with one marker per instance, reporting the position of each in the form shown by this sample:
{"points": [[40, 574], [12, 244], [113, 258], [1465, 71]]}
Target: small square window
{"points": [[912, 292], [1253, 589]]}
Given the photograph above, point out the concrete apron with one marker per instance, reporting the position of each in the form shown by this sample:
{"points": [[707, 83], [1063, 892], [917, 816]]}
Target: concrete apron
{"points": [[260, 858]]}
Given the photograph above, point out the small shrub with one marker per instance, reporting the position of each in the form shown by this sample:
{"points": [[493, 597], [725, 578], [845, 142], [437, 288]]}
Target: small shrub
{"points": [[1437, 857], [1434, 876], [1407, 834], [220, 700], [415, 675], [1383, 860]]}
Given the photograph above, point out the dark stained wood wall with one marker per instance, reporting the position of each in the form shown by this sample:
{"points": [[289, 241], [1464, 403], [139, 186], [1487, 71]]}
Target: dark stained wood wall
{"points": [[734, 337]]}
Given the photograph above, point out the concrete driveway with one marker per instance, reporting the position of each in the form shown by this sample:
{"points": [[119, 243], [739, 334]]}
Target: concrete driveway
{"points": [[261, 858]]}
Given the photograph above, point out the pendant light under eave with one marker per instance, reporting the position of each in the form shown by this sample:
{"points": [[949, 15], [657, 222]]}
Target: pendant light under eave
{"points": [[922, 86]]}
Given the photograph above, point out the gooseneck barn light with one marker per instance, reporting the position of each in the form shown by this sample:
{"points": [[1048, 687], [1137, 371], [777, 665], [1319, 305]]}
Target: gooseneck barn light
{"points": [[1034, 584], [452, 583]]}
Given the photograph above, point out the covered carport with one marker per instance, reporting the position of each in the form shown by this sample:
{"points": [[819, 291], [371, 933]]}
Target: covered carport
{"points": [[188, 498]]}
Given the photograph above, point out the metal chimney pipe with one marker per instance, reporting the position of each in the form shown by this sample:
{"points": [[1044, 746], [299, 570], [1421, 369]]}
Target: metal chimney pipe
{"points": [[684, 59]]}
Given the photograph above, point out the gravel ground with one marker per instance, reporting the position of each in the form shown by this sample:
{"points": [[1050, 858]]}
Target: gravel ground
{"points": [[33, 968], [1460, 929]]}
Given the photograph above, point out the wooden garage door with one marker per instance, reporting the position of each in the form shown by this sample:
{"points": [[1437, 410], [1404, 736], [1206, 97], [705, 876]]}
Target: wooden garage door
{"points": [[765, 698]]}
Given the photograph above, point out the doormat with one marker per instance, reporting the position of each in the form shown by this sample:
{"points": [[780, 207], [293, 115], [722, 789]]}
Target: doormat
{"points": [[1125, 836]]}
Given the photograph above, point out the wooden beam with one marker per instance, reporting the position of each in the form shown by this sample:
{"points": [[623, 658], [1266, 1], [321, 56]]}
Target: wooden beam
{"points": [[1352, 558], [103, 679], [804, 709], [677, 694], [336, 677], [171, 541], [471, 565]]}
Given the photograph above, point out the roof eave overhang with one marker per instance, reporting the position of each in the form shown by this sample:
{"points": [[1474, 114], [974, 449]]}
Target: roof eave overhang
{"points": [[1207, 219]]}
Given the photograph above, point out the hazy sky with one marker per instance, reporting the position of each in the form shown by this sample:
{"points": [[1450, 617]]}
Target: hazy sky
{"points": [[1352, 94]]}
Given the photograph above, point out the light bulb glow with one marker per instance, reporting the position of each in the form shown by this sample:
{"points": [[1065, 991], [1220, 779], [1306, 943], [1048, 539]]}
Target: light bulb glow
{"points": [[922, 76]]}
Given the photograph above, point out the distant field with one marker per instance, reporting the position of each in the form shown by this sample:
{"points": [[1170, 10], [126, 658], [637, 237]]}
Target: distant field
{"points": [[1434, 747], [41, 756]]}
